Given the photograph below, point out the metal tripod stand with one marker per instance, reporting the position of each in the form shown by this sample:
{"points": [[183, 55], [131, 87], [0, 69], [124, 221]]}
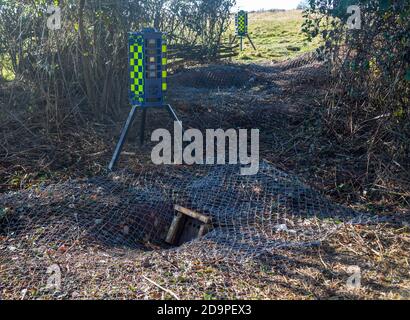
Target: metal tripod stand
{"points": [[241, 41], [128, 125]]}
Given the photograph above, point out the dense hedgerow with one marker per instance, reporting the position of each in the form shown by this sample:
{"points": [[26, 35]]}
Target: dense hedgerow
{"points": [[87, 57]]}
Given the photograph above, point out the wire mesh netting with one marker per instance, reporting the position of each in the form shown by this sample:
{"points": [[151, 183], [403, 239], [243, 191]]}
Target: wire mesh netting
{"points": [[125, 214], [213, 76], [234, 76]]}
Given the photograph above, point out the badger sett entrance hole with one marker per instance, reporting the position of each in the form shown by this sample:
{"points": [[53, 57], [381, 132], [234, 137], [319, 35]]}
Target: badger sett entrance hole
{"points": [[187, 226]]}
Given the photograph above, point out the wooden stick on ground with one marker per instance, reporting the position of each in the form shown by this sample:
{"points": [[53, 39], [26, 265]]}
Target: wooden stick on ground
{"points": [[161, 287]]}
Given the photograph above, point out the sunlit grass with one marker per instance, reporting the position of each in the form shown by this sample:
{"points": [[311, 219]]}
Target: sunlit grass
{"points": [[6, 70], [276, 35]]}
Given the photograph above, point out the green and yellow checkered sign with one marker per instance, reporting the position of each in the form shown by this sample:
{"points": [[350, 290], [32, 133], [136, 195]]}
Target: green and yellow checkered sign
{"points": [[241, 23], [147, 68], [136, 50]]}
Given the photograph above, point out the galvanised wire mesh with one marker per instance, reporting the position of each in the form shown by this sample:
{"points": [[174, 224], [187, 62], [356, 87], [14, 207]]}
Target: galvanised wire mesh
{"points": [[224, 76], [114, 218], [94, 230], [212, 77]]}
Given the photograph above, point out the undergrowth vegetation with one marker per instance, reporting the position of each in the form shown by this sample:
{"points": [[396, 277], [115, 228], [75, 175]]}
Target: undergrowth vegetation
{"points": [[336, 117], [368, 101], [75, 78]]}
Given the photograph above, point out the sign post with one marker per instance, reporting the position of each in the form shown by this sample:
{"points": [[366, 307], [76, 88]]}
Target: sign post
{"points": [[241, 28], [147, 81]]}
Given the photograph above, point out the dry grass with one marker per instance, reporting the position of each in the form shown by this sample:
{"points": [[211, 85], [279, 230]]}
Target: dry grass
{"points": [[322, 272]]}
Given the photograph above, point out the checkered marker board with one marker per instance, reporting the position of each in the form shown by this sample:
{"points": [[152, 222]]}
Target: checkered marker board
{"points": [[147, 68], [136, 50], [241, 23]]}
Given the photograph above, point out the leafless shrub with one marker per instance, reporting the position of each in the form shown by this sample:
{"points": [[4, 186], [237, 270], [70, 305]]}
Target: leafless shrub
{"points": [[80, 68], [368, 103]]}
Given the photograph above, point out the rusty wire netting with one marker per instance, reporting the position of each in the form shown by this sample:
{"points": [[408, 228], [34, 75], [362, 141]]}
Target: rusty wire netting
{"points": [[119, 216]]}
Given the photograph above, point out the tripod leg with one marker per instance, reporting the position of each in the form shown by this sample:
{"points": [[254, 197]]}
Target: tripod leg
{"points": [[142, 131], [178, 144], [250, 40], [173, 114], [124, 134]]}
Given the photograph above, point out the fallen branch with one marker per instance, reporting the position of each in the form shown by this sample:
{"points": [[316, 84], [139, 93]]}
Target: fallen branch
{"points": [[162, 288]]}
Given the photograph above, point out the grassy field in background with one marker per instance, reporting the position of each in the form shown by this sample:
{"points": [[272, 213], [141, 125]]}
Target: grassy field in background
{"points": [[276, 35]]}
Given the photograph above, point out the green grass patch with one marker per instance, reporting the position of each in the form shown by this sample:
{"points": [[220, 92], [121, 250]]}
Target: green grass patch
{"points": [[277, 36], [6, 69]]}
